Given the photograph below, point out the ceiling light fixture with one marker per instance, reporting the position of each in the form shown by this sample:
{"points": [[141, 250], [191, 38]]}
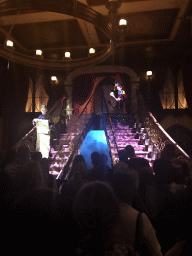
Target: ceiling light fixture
{"points": [[123, 22], [9, 43], [91, 51], [67, 54], [39, 54]]}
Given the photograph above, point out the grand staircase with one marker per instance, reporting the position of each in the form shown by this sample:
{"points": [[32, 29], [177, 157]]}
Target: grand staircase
{"points": [[62, 150], [123, 130]]}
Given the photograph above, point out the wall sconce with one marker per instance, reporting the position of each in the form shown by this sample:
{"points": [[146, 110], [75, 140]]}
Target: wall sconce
{"points": [[39, 54], [91, 51], [54, 79], [149, 73]]}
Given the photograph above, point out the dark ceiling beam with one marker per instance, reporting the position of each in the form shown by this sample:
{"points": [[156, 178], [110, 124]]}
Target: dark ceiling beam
{"points": [[142, 6], [179, 18]]}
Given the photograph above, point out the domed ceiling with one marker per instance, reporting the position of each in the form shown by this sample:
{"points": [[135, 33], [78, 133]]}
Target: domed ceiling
{"points": [[60, 26]]}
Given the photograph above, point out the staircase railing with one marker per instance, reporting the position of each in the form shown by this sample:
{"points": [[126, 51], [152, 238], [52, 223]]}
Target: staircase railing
{"points": [[112, 154], [155, 131], [76, 143]]}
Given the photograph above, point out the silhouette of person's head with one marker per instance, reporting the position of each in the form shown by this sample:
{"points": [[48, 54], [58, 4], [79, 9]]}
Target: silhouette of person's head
{"points": [[123, 155], [95, 158], [130, 151]]}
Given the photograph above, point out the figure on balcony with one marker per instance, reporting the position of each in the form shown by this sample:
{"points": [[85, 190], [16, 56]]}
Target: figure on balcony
{"points": [[118, 94]]}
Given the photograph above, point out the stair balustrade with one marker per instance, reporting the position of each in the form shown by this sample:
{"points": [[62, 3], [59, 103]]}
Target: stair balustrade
{"points": [[155, 132]]}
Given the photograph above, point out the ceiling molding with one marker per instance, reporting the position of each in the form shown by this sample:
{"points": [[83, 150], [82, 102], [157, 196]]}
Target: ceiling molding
{"points": [[80, 11], [55, 64]]}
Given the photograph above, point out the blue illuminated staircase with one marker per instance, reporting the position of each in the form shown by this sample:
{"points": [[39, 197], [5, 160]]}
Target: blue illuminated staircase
{"points": [[126, 133]]}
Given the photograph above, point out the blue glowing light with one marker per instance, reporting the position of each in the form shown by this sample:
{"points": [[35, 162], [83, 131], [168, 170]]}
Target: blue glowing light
{"points": [[94, 141]]}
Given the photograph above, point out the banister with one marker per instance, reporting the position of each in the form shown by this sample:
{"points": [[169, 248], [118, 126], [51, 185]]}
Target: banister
{"points": [[157, 133], [113, 133], [72, 128]]}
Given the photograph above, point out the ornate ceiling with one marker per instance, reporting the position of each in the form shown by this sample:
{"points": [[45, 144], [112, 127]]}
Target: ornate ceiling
{"points": [[75, 26]]}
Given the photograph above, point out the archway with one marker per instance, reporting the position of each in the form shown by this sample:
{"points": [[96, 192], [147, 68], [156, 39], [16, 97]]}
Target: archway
{"points": [[99, 73]]}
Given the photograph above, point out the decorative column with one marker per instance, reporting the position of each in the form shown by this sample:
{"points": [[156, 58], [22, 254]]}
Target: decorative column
{"points": [[69, 103]]}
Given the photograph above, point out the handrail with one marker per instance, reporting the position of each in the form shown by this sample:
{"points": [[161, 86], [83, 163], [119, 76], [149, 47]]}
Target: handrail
{"points": [[72, 128], [64, 171], [112, 129], [171, 140], [157, 133], [24, 138]]}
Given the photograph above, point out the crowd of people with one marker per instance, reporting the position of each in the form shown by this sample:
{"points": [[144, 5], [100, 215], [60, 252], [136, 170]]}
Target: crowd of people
{"points": [[129, 209]]}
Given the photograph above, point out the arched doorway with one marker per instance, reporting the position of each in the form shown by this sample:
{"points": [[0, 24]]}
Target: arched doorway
{"points": [[126, 76]]}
